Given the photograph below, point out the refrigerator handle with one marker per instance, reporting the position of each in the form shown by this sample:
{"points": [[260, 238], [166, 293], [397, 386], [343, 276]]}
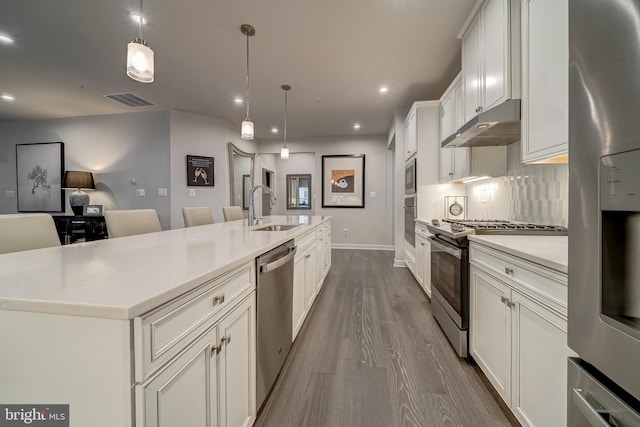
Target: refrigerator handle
{"points": [[591, 409]]}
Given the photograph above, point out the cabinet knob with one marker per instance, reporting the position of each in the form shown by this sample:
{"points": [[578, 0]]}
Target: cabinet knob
{"points": [[216, 349], [219, 299], [225, 340], [450, 173]]}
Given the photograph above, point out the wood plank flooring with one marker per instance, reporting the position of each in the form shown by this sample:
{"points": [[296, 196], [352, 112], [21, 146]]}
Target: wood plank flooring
{"points": [[371, 354]]}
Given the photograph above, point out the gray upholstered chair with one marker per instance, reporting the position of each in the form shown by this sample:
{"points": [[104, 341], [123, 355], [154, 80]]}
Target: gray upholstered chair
{"points": [[122, 223], [22, 232], [197, 216], [232, 213]]}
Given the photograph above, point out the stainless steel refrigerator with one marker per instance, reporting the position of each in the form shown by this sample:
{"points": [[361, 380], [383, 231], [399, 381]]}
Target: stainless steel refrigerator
{"points": [[604, 212]]}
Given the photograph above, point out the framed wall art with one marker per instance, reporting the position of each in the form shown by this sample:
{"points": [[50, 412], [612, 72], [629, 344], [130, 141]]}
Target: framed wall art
{"points": [[199, 171], [39, 170], [343, 181]]}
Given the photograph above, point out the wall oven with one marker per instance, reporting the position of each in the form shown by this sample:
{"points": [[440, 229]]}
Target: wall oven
{"points": [[410, 220], [410, 177]]}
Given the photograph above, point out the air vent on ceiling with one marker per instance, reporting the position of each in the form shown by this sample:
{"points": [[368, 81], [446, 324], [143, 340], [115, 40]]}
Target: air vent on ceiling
{"points": [[130, 100]]}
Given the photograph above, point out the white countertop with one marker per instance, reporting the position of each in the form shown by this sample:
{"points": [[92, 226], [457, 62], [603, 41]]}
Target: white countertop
{"points": [[125, 277], [549, 251]]}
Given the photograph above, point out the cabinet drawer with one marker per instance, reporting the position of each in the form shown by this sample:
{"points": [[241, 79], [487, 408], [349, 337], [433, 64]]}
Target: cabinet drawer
{"points": [[422, 230], [303, 240], [323, 229], [545, 285], [164, 332]]}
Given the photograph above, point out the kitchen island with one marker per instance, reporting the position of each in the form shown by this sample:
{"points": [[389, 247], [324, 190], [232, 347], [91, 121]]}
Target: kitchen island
{"points": [[107, 326]]}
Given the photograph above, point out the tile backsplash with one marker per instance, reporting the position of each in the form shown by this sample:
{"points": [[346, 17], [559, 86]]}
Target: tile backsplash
{"points": [[531, 193]]}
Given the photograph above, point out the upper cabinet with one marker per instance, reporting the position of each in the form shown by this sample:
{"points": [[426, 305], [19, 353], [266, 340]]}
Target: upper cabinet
{"points": [[491, 57], [411, 133], [545, 80]]}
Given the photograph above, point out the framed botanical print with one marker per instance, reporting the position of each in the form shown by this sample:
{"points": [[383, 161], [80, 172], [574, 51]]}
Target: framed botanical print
{"points": [[39, 170]]}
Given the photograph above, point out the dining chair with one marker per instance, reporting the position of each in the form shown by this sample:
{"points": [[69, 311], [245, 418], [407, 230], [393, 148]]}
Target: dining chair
{"points": [[22, 232], [197, 216], [121, 223], [232, 213]]}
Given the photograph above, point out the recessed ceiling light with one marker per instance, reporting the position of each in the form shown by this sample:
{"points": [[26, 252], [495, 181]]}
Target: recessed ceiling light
{"points": [[383, 89], [274, 130], [7, 97], [356, 126], [136, 18], [4, 38], [238, 100]]}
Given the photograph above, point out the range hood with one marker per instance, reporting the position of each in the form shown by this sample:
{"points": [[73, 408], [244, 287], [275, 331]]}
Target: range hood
{"points": [[497, 126]]}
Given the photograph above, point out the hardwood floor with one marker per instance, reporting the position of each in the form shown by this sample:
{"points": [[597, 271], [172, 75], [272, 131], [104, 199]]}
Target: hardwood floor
{"points": [[371, 354]]}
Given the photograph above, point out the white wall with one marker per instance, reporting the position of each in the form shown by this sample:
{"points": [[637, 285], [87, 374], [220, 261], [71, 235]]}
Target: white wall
{"points": [[371, 227], [116, 148], [201, 136]]}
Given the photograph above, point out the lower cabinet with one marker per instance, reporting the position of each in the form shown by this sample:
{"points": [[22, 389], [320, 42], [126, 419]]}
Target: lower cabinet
{"points": [[211, 382], [423, 258], [305, 283], [518, 335]]}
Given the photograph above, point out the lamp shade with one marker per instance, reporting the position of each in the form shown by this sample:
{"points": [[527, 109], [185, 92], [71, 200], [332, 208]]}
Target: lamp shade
{"points": [[140, 60], [247, 130], [78, 180]]}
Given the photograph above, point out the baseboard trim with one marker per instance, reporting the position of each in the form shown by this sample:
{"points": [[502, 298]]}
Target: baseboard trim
{"points": [[363, 246], [399, 263]]}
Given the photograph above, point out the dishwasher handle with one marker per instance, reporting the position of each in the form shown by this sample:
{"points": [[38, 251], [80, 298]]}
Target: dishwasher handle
{"points": [[267, 267]]}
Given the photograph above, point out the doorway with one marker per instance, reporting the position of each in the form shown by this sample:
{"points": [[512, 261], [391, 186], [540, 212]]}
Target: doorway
{"points": [[268, 179]]}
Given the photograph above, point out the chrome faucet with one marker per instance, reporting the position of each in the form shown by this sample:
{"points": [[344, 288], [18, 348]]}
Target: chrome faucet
{"points": [[252, 214]]}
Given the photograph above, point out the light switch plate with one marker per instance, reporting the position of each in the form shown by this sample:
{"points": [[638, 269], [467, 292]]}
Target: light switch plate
{"points": [[9, 193], [140, 192], [372, 194], [162, 192]]}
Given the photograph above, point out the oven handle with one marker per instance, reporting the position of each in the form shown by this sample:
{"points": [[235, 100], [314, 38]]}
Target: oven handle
{"points": [[451, 251]]}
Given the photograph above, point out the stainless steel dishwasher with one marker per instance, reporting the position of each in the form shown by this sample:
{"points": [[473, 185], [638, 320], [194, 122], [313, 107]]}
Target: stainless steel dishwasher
{"points": [[274, 307]]}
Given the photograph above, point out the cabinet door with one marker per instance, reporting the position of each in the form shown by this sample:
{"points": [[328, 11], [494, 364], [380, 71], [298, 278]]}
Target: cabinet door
{"points": [[461, 162], [545, 79], [446, 164], [420, 248], [299, 306], [310, 284], [490, 329], [471, 67], [496, 53], [185, 392], [425, 261], [411, 134], [447, 118], [237, 366], [458, 113], [539, 366]]}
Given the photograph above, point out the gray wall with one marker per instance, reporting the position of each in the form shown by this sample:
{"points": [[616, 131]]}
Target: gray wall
{"points": [[371, 227], [116, 148]]}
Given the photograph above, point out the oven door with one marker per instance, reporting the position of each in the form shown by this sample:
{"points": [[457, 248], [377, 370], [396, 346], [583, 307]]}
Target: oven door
{"points": [[449, 278], [410, 176]]}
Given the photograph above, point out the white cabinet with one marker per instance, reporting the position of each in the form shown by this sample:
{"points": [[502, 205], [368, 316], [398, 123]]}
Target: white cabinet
{"points": [[458, 164], [323, 252], [423, 258], [518, 333], [411, 133], [545, 79], [490, 57], [209, 383]]}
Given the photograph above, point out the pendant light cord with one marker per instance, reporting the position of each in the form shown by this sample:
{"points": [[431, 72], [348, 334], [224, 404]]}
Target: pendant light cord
{"points": [[140, 21], [285, 118], [247, 76]]}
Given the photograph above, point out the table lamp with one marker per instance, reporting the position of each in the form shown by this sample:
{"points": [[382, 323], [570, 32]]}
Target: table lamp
{"points": [[78, 180]]}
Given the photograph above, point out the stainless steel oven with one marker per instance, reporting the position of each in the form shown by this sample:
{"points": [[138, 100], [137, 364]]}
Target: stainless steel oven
{"points": [[410, 220], [410, 177], [450, 291]]}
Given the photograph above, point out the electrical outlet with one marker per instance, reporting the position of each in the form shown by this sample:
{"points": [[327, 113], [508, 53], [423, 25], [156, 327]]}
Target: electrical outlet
{"points": [[9, 193], [192, 192], [140, 192], [346, 231], [372, 194], [162, 192], [484, 198]]}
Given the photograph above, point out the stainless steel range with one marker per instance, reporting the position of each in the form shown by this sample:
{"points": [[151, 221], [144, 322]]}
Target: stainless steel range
{"points": [[450, 269]]}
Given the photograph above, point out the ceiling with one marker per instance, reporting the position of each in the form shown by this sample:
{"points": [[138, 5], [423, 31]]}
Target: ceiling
{"points": [[335, 54]]}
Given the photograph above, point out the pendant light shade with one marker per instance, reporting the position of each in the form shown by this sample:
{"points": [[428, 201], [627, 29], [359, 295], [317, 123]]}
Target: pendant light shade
{"points": [[247, 124], [140, 57], [284, 151]]}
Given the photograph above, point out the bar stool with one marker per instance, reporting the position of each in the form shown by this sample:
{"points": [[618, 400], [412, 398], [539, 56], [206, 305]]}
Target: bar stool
{"points": [[232, 213], [22, 232], [121, 223], [197, 216]]}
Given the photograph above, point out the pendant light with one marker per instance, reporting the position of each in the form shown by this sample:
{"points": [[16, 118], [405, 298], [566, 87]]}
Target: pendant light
{"points": [[140, 57], [284, 151], [247, 124]]}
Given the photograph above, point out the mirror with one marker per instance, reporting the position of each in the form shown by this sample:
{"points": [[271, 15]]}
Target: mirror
{"points": [[240, 175], [299, 191]]}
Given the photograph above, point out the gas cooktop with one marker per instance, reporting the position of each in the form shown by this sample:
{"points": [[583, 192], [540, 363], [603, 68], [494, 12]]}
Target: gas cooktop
{"points": [[458, 229]]}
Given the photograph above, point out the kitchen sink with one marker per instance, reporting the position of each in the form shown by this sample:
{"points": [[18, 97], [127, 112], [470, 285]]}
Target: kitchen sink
{"points": [[276, 227]]}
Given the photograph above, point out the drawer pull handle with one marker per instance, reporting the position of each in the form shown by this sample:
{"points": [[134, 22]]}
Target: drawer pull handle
{"points": [[216, 349], [504, 300], [308, 256], [507, 301], [225, 340], [219, 299], [509, 271]]}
